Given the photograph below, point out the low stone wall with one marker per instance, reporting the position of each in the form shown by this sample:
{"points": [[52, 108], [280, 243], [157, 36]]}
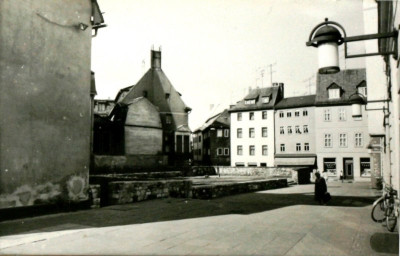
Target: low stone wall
{"points": [[214, 191], [256, 171], [122, 192]]}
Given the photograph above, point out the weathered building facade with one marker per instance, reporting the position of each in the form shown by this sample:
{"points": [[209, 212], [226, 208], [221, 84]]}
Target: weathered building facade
{"points": [[211, 142], [45, 100]]}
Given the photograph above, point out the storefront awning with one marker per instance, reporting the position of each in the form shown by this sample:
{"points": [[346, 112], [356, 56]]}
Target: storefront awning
{"points": [[297, 161]]}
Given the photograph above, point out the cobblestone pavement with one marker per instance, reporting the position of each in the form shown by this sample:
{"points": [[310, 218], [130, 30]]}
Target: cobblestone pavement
{"points": [[275, 222]]}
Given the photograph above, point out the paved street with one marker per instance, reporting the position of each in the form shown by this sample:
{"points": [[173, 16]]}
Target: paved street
{"points": [[275, 222]]}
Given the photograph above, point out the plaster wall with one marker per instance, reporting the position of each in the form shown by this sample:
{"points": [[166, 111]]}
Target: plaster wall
{"points": [[258, 141], [44, 101], [336, 127], [290, 140]]}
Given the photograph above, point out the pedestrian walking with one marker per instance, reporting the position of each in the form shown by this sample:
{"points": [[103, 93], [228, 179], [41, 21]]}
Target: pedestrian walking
{"points": [[320, 189], [341, 175]]}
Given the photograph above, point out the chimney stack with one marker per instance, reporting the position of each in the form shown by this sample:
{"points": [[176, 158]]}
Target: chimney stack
{"points": [[281, 85], [155, 59]]}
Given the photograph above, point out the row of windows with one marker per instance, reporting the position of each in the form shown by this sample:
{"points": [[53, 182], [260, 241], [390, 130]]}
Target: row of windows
{"points": [[264, 99], [341, 117], [264, 132], [264, 115], [343, 140], [220, 152], [220, 133], [252, 150], [297, 129], [306, 147], [289, 113]]}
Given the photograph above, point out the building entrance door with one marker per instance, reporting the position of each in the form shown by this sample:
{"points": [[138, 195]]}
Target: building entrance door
{"points": [[348, 168]]}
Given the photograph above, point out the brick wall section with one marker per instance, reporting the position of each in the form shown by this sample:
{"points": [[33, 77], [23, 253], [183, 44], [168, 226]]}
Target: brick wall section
{"points": [[256, 171], [122, 192], [214, 191]]}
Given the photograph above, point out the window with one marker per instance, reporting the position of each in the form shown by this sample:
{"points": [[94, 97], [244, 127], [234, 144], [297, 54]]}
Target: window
{"points": [[167, 95], [343, 140], [306, 146], [365, 167], [297, 129], [263, 164], [289, 129], [282, 147], [297, 113], [240, 150], [289, 114], [334, 93], [282, 130], [342, 114], [264, 131], [305, 112], [249, 102], [226, 132], [357, 118], [168, 119], [265, 150], [239, 133], [251, 133], [327, 115], [265, 99], [219, 151], [219, 133], [226, 151], [264, 115], [251, 115], [281, 114], [362, 90], [239, 116], [328, 140], [305, 128], [252, 150], [358, 139], [298, 146], [239, 164]]}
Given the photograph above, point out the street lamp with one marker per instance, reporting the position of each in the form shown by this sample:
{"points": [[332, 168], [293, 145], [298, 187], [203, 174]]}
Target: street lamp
{"points": [[327, 38]]}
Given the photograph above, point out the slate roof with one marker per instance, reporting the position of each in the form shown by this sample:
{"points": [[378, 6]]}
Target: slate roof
{"points": [[220, 119], [296, 102], [257, 94], [157, 86], [347, 80]]}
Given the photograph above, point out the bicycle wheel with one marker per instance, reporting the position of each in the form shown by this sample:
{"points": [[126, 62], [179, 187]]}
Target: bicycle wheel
{"points": [[391, 219], [378, 211]]}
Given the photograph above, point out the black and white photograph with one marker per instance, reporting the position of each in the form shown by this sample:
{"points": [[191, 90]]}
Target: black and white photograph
{"points": [[199, 127]]}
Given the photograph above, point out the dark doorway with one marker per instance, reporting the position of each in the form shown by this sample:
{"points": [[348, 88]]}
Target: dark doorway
{"points": [[348, 166]]}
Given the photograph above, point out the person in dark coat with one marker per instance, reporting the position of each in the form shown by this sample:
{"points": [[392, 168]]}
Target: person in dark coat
{"points": [[320, 188]]}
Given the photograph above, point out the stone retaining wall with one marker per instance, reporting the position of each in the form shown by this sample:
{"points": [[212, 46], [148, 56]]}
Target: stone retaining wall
{"points": [[122, 192], [214, 191]]}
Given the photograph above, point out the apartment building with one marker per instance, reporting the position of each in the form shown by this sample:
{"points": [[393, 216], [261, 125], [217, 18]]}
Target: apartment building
{"points": [[211, 142], [295, 132], [342, 134], [252, 127]]}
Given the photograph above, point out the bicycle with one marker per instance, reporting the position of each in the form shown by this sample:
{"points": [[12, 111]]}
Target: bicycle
{"points": [[384, 208]]}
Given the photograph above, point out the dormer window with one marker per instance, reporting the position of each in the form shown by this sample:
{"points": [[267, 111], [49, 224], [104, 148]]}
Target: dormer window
{"points": [[167, 95], [362, 88], [265, 99], [250, 102], [334, 93]]}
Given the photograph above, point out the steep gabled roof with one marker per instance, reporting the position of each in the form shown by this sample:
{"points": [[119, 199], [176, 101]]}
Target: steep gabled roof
{"points": [[257, 94], [347, 80], [296, 102], [221, 119]]}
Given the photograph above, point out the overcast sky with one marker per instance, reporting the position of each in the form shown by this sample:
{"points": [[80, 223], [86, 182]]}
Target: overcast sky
{"points": [[214, 50]]}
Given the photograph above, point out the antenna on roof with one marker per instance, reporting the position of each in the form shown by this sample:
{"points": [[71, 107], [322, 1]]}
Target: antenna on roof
{"points": [[309, 83]]}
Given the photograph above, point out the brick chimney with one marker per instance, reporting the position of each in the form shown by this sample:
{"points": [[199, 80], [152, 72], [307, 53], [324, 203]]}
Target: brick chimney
{"points": [[155, 59]]}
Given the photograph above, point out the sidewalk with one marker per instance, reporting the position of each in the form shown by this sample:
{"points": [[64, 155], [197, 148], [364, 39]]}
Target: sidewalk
{"points": [[274, 222]]}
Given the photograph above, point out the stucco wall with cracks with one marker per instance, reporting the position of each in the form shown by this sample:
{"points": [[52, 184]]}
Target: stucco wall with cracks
{"points": [[44, 101]]}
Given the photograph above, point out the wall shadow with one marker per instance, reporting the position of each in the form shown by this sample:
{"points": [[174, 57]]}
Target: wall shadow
{"points": [[170, 209]]}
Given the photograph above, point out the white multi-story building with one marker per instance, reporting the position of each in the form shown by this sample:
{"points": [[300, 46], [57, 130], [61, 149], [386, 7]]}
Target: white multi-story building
{"points": [[252, 128], [342, 135]]}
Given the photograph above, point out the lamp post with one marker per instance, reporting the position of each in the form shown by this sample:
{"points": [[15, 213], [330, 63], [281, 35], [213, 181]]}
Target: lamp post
{"points": [[327, 37]]}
